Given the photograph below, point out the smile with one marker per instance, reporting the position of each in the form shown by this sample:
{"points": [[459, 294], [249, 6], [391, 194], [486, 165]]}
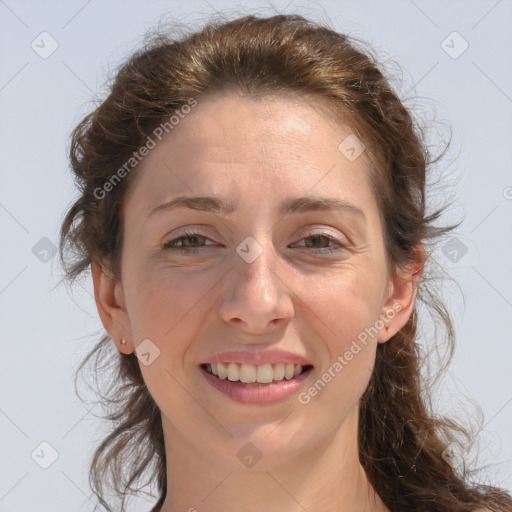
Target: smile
{"points": [[250, 384], [249, 373]]}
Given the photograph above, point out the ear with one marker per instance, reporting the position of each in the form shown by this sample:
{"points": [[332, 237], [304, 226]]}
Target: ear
{"points": [[109, 297], [401, 297]]}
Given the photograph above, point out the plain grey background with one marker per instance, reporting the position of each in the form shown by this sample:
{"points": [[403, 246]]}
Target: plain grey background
{"points": [[456, 59]]}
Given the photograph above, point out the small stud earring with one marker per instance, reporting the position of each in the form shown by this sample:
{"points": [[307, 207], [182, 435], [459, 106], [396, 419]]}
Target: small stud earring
{"points": [[123, 342]]}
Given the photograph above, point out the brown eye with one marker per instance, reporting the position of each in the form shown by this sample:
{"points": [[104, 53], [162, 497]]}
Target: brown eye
{"points": [[188, 241], [317, 239]]}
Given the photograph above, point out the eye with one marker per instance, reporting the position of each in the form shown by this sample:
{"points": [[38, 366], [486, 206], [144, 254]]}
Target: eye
{"points": [[185, 249], [191, 238], [317, 237]]}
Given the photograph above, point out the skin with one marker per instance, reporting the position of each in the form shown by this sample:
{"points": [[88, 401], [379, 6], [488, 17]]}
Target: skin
{"points": [[291, 297]]}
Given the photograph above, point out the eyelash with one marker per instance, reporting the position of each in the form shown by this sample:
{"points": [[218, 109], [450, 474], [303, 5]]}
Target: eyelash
{"points": [[195, 250]]}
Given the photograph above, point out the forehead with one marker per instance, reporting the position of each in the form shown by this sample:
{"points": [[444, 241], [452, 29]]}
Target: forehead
{"points": [[229, 124], [234, 146]]}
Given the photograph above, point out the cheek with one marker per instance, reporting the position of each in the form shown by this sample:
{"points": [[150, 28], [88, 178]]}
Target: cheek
{"points": [[345, 373], [164, 308], [162, 303], [348, 311], [349, 303]]}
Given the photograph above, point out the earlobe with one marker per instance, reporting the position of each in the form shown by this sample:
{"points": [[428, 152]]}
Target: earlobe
{"points": [[109, 297], [401, 300]]}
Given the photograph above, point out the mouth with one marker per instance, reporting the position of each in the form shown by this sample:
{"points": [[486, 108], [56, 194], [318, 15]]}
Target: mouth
{"points": [[256, 376]]}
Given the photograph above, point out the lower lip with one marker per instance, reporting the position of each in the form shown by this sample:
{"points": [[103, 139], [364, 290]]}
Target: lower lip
{"points": [[255, 393]]}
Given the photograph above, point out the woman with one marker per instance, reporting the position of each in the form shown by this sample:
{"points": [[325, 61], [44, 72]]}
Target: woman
{"points": [[253, 213]]}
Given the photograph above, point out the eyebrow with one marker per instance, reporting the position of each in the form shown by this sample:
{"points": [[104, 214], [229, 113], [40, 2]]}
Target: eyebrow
{"points": [[213, 204]]}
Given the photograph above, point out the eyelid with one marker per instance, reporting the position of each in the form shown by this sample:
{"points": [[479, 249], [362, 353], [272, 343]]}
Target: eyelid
{"points": [[309, 231], [195, 229], [322, 230], [340, 243]]}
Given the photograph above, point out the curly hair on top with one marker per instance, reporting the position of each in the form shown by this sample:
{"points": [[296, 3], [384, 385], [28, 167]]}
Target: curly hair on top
{"points": [[401, 439]]}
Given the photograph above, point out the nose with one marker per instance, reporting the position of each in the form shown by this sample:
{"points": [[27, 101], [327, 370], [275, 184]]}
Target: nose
{"points": [[256, 296]]}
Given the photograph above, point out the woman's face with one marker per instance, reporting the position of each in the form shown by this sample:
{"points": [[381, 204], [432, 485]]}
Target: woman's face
{"points": [[258, 285]]}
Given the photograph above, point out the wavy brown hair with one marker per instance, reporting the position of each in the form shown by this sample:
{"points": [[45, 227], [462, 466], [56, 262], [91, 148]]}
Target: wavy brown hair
{"points": [[401, 440]]}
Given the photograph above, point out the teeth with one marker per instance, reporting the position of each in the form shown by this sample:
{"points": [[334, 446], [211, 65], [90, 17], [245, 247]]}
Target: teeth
{"points": [[233, 372], [279, 371], [248, 373], [265, 373], [222, 372]]}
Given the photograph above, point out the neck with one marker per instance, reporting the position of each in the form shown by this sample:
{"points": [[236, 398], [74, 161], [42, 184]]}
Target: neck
{"points": [[327, 477]]}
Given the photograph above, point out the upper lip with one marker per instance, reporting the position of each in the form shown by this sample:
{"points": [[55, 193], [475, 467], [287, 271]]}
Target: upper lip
{"points": [[257, 358]]}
